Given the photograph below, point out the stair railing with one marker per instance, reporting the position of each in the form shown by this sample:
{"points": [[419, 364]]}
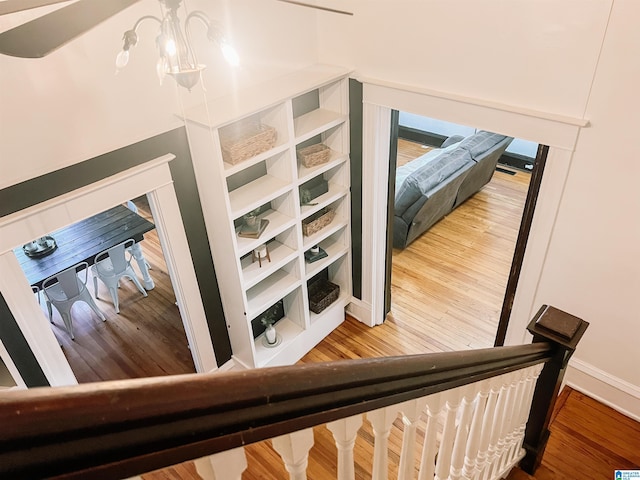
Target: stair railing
{"points": [[483, 412]]}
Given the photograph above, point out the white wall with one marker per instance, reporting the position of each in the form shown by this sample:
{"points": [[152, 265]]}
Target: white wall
{"points": [[69, 106], [545, 56]]}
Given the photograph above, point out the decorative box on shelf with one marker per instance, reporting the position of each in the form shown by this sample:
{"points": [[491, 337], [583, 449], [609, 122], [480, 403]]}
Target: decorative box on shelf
{"points": [[316, 222], [314, 155], [313, 189], [322, 293], [242, 141]]}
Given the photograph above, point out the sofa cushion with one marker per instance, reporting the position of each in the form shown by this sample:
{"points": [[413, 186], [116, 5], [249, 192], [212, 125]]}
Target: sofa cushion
{"points": [[480, 143], [421, 181]]}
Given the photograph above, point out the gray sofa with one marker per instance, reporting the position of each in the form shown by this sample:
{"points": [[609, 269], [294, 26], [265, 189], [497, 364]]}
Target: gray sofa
{"points": [[431, 186]]}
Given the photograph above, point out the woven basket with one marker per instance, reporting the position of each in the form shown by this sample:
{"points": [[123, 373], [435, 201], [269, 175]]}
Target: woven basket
{"points": [[317, 221], [314, 155], [322, 293], [241, 142]]}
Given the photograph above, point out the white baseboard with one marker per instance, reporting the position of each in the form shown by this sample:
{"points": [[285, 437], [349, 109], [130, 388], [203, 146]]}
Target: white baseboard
{"points": [[361, 311], [226, 367], [614, 392]]}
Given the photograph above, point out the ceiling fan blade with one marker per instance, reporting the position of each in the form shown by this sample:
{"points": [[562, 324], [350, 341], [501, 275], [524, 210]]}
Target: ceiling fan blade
{"points": [[317, 7], [13, 6], [49, 32]]}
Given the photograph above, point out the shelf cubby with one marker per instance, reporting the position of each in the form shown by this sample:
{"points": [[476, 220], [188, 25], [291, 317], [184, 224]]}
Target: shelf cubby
{"points": [[338, 273], [339, 221], [271, 289], [289, 328], [282, 250], [259, 183], [336, 245]]}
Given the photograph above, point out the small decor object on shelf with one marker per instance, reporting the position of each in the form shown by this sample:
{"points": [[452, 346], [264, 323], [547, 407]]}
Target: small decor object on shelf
{"points": [[322, 293], [314, 155], [40, 247], [316, 222], [271, 337], [313, 189], [242, 141], [260, 254], [252, 226], [314, 254]]}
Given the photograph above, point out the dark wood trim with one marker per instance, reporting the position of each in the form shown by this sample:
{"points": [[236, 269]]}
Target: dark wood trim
{"points": [[130, 427], [563, 331], [521, 243], [18, 348], [355, 138], [421, 136], [391, 188]]}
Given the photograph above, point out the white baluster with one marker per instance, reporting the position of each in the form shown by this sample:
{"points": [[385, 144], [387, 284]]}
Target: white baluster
{"points": [[523, 415], [227, 465], [512, 429], [496, 444], [506, 418], [430, 446], [485, 455], [462, 432], [381, 421], [344, 433], [443, 463], [410, 415], [472, 457], [294, 450]]}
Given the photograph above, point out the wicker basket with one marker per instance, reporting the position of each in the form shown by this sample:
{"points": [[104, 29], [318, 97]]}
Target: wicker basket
{"points": [[322, 293], [317, 221], [314, 155], [241, 142]]}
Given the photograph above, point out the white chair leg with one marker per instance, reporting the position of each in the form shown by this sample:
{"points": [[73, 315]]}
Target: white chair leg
{"points": [[66, 318], [139, 285], [50, 311], [95, 286], [114, 297], [94, 307]]}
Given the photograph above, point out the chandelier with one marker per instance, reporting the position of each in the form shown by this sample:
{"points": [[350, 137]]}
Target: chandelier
{"points": [[177, 57]]}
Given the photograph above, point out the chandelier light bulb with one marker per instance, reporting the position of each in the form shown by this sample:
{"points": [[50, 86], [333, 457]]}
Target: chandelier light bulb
{"points": [[122, 59], [170, 47], [230, 54]]}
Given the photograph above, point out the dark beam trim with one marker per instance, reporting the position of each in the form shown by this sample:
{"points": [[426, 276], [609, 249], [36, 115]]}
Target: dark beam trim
{"points": [[521, 243]]}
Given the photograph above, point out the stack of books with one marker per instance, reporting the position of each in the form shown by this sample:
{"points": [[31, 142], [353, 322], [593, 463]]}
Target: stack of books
{"points": [[253, 231]]}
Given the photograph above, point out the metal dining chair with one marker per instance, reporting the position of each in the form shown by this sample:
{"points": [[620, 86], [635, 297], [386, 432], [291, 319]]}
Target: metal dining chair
{"points": [[112, 265], [66, 288]]}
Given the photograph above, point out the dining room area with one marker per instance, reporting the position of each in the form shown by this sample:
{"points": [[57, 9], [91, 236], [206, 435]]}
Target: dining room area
{"points": [[105, 288]]}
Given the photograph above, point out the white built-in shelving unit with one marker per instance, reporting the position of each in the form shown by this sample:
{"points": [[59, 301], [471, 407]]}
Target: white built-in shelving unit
{"points": [[306, 107]]}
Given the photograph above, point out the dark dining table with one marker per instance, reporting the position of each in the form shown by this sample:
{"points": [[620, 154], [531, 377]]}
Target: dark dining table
{"points": [[82, 241]]}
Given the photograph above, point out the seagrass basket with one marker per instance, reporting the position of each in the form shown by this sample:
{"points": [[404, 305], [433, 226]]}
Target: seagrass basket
{"points": [[317, 221], [243, 141], [314, 155]]}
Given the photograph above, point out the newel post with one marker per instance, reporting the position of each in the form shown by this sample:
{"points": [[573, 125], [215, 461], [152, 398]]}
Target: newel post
{"points": [[563, 331]]}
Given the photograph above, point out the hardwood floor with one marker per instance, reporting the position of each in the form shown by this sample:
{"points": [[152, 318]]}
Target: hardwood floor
{"points": [[454, 276], [145, 339]]}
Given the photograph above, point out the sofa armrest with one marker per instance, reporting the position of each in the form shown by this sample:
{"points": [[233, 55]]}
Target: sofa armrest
{"points": [[451, 140]]}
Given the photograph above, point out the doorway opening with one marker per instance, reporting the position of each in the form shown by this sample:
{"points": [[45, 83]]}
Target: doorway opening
{"points": [[145, 338], [451, 279]]}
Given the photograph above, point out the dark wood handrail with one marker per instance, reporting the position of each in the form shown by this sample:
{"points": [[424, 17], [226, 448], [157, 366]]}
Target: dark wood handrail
{"points": [[122, 428]]}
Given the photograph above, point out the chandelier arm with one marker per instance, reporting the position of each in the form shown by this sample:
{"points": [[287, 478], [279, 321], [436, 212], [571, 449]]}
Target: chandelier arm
{"points": [[142, 19]]}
